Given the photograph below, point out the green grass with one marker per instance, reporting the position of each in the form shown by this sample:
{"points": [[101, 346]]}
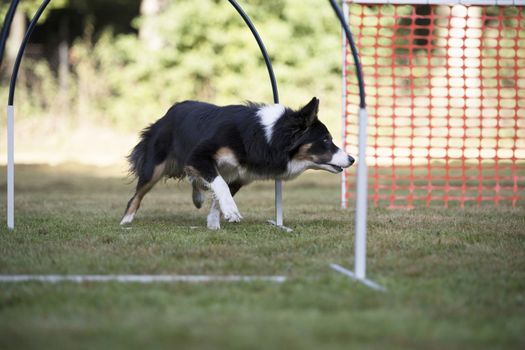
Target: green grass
{"points": [[455, 278]]}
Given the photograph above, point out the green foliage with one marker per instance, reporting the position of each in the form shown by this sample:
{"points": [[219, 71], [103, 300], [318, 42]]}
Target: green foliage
{"points": [[207, 53], [29, 7]]}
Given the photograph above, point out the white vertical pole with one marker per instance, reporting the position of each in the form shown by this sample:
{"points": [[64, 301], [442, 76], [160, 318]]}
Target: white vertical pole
{"points": [[278, 202], [344, 202], [279, 207], [361, 199], [359, 273], [10, 167]]}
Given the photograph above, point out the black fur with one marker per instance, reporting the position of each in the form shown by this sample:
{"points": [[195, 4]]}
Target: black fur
{"points": [[187, 139], [192, 131]]}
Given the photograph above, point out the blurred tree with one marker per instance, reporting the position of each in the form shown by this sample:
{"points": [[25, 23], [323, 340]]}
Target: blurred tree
{"points": [[127, 71], [149, 10], [16, 35], [26, 9]]}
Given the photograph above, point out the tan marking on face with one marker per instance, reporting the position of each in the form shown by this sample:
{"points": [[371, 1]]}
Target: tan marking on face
{"points": [[322, 158], [303, 154]]}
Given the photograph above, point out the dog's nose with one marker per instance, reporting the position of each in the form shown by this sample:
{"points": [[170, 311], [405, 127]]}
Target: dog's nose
{"points": [[351, 160]]}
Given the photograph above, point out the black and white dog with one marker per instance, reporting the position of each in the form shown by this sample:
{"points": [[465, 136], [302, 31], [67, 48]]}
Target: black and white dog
{"points": [[224, 148]]}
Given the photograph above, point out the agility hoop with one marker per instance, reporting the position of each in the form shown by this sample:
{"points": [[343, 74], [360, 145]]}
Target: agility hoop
{"points": [[278, 222], [8, 20], [11, 118], [359, 273], [10, 107]]}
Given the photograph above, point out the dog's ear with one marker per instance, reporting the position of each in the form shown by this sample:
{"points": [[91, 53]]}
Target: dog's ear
{"points": [[309, 112]]}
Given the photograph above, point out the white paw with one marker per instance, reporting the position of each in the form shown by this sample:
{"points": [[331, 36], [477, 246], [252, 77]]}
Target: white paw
{"points": [[127, 219], [226, 202], [231, 213], [214, 221]]}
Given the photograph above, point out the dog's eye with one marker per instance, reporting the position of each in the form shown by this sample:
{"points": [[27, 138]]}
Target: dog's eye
{"points": [[327, 140]]}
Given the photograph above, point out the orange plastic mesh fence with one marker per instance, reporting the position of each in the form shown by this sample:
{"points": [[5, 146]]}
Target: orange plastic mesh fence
{"points": [[446, 101]]}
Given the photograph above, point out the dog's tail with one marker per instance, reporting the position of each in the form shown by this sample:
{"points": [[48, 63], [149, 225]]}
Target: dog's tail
{"points": [[141, 158]]}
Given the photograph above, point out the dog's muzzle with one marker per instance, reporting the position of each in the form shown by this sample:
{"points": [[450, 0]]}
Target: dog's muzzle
{"points": [[339, 161]]}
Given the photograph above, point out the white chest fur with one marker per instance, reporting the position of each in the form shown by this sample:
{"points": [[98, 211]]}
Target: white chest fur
{"points": [[232, 171]]}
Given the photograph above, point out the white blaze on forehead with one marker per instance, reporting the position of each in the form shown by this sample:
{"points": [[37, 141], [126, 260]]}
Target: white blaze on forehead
{"points": [[269, 115]]}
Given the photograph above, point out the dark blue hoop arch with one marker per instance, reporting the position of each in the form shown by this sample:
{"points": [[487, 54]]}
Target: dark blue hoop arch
{"points": [[355, 54], [8, 20], [261, 47], [34, 20], [22, 48]]}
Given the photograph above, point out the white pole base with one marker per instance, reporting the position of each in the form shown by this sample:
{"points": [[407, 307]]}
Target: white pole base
{"points": [[284, 228], [138, 278], [353, 276]]}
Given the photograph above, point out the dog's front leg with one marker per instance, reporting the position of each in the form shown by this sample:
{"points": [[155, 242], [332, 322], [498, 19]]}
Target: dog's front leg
{"points": [[213, 220], [202, 167], [222, 194]]}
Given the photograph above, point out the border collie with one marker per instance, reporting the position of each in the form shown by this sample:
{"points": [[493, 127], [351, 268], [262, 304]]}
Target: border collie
{"points": [[224, 148]]}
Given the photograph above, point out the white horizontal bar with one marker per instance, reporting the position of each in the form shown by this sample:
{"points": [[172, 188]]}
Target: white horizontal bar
{"points": [[138, 278], [352, 275], [442, 2]]}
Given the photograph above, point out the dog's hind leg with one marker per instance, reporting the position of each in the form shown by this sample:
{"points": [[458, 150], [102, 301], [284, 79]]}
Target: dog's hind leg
{"points": [[213, 219], [197, 194], [144, 185]]}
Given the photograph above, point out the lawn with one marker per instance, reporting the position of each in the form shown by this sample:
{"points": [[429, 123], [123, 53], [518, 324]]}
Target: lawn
{"points": [[455, 278]]}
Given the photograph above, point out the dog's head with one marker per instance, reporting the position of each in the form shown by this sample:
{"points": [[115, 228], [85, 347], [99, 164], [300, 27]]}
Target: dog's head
{"points": [[312, 145]]}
